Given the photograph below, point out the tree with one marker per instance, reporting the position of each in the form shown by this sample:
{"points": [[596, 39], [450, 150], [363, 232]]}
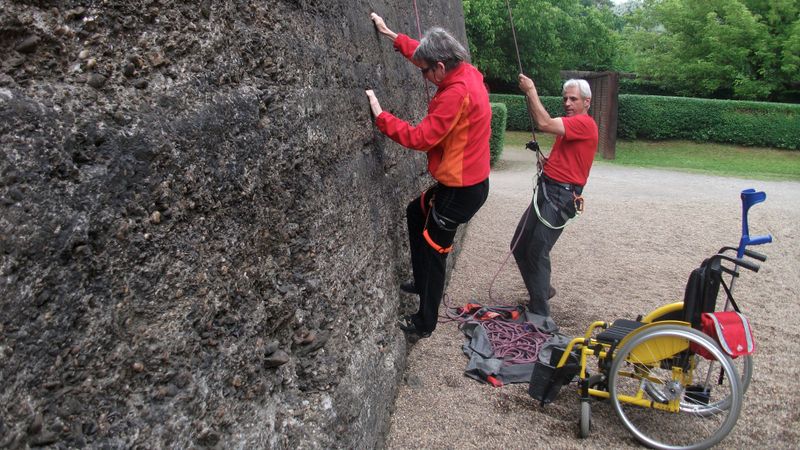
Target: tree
{"points": [[746, 49], [552, 35]]}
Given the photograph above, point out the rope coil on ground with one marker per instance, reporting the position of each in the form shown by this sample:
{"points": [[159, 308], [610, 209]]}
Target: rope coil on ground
{"points": [[513, 342]]}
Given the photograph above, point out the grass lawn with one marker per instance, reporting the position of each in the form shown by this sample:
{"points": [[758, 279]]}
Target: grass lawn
{"points": [[727, 160]]}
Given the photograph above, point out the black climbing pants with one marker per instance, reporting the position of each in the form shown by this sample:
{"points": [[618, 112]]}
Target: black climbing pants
{"points": [[439, 211]]}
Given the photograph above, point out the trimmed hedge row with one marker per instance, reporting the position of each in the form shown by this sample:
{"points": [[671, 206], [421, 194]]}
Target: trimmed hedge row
{"points": [[518, 118], [726, 121], [498, 137], [657, 118]]}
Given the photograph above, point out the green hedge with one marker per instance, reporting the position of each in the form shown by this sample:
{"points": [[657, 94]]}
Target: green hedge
{"points": [[657, 118], [726, 121], [518, 118], [498, 138]]}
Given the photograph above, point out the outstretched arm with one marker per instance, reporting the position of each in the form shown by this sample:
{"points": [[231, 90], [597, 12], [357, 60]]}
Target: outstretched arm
{"points": [[382, 28], [374, 105], [540, 115]]}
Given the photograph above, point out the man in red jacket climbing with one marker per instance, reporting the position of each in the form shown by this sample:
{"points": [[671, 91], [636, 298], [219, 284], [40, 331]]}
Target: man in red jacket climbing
{"points": [[455, 137]]}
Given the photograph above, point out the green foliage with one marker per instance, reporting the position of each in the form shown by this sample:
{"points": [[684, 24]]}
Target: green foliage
{"points": [[642, 87], [552, 35], [725, 121], [652, 117], [497, 139], [518, 117], [746, 49]]}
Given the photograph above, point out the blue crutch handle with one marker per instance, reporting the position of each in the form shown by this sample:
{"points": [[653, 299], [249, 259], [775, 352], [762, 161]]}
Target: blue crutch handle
{"points": [[750, 197]]}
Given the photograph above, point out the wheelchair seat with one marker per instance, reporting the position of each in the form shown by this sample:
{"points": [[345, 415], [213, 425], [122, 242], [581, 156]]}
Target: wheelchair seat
{"points": [[618, 330]]}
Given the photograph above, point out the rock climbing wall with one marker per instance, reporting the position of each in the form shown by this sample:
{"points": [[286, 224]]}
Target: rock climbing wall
{"points": [[201, 231]]}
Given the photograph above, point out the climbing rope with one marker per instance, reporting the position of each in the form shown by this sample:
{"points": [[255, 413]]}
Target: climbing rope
{"points": [[513, 342], [419, 36], [519, 63]]}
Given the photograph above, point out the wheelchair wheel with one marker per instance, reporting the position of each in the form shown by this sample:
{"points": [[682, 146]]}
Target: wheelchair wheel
{"points": [[585, 423], [659, 389], [744, 365]]}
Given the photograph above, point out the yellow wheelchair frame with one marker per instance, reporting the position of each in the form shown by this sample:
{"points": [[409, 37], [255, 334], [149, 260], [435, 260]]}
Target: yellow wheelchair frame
{"points": [[650, 369]]}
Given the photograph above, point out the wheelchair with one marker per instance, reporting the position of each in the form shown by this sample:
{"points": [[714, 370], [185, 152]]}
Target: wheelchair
{"points": [[672, 386]]}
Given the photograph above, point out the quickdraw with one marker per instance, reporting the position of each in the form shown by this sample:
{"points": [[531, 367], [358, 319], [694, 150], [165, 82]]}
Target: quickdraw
{"points": [[578, 200]]}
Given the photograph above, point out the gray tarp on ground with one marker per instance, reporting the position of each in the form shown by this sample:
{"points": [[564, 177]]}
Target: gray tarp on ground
{"points": [[482, 361]]}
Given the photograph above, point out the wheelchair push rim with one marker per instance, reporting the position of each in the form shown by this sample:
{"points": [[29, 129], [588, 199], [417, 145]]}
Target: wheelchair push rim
{"points": [[670, 418]]}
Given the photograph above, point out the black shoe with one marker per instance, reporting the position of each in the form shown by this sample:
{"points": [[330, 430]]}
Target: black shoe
{"points": [[409, 288], [551, 293], [407, 325]]}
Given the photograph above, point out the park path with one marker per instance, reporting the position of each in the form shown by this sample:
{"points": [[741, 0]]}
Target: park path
{"points": [[631, 251]]}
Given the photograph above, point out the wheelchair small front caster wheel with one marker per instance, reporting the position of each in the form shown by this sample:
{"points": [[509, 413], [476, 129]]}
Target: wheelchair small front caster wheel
{"points": [[585, 422]]}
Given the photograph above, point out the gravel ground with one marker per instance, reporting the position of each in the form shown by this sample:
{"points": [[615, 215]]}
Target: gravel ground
{"points": [[631, 251]]}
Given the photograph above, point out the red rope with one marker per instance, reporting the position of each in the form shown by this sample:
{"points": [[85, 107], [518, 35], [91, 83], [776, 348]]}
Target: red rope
{"points": [[514, 343], [416, 12]]}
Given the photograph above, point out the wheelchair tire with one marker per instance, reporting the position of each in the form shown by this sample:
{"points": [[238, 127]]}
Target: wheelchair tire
{"points": [[585, 421], [744, 365], [646, 412]]}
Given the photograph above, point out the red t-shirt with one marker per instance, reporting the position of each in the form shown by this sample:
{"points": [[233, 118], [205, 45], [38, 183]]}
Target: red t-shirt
{"points": [[572, 155]]}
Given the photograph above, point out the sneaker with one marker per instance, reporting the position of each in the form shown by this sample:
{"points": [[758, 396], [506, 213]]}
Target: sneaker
{"points": [[409, 288], [407, 325]]}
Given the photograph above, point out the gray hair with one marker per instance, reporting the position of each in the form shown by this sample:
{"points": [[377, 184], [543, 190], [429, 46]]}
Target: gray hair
{"points": [[583, 87], [438, 45]]}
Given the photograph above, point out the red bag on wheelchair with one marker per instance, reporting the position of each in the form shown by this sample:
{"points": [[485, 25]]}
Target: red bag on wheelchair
{"points": [[731, 330]]}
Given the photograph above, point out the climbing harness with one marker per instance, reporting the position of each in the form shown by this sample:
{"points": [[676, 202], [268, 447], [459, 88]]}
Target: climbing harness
{"points": [[577, 200], [429, 209]]}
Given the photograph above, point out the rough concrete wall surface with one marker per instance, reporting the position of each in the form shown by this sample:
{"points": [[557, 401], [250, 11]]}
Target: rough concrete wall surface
{"points": [[202, 232]]}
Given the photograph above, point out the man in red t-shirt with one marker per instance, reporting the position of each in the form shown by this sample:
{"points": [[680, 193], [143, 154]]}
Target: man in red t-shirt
{"points": [[558, 191]]}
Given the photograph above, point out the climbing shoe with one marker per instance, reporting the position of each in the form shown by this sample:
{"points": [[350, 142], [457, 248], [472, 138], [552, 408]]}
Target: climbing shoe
{"points": [[407, 325]]}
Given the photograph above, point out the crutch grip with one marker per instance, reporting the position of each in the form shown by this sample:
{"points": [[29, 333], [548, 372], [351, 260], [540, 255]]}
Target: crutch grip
{"points": [[750, 197]]}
